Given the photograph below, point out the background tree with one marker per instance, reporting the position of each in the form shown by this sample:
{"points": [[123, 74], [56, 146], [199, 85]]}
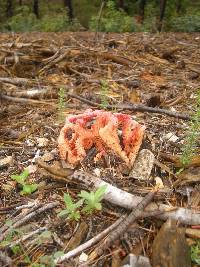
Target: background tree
{"points": [[36, 8], [161, 15], [142, 4], [9, 8], [69, 7], [121, 4]]}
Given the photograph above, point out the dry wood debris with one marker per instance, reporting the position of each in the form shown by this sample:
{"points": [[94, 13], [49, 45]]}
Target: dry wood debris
{"points": [[45, 77]]}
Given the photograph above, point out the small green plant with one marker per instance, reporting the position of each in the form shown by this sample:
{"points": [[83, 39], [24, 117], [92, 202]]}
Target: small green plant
{"points": [[193, 135], [19, 250], [21, 179], [92, 199], [71, 208], [195, 253], [61, 104], [44, 237], [103, 94], [48, 260], [12, 233]]}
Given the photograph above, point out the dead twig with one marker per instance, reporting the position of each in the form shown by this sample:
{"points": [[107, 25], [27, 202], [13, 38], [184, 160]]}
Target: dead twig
{"points": [[123, 226], [99, 19], [30, 216], [134, 107], [25, 100], [25, 237], [126, 200], [89, 243], [15, 81], [33, 206]]}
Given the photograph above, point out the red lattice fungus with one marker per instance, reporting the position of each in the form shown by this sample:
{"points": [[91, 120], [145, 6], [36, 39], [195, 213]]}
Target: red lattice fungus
{"points": [[105, 131]]}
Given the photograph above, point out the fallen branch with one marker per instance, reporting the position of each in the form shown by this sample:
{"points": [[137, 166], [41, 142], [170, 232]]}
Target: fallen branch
{"points": [[101, 235], [89, 243], [15, 81], [29, 216], [34, 94], [134, 107], [25, 237], [176, 160], [25, 100], [28, 209], [126, 200], [123, 226]]}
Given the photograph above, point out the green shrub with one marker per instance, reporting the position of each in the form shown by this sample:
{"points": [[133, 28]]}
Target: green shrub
{"points": [[187, 23], [22, 21], [57, 22], [53, 22], [25, 21], [112, 20], [195, 253]]}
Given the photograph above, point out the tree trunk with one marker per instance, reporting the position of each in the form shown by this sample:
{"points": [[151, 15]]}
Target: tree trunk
{"points": [[9, 8], [178, 6], [20, 2], [162, 14], [69, 7], [121, 4], [142, 5], [36, 8]]}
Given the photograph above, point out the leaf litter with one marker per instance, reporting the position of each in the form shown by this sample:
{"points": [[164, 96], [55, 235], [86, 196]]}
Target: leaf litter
{"points": [[46, 77]]}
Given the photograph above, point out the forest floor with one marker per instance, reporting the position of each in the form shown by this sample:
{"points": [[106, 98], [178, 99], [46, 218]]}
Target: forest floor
{"points": [[152, 77]]}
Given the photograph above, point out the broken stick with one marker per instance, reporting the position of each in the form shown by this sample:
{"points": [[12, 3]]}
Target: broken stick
{"points": [[134, 107]]}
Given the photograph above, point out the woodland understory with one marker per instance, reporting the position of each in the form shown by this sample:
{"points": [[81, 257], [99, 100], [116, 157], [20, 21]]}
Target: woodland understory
{"points": [[44, 78]]}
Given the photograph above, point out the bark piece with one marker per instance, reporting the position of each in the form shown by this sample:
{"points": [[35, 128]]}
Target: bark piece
{"points": [[188, 176], [143, 165], [170, 248], [78, 236]]}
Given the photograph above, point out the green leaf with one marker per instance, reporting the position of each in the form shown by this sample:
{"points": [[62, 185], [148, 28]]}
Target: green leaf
{"points": [[98, 206], [27, 259], [84, 194], [29, 188], [17, 249], [24, 174], [68, 200], [63, 213], [33, 187], [46, 234], [4, 243], [21, 177], [78, 204], [88, 208], [100, 192], [75, 215], [58, 254], [47, 260], [17, 178], [9, 223]]}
